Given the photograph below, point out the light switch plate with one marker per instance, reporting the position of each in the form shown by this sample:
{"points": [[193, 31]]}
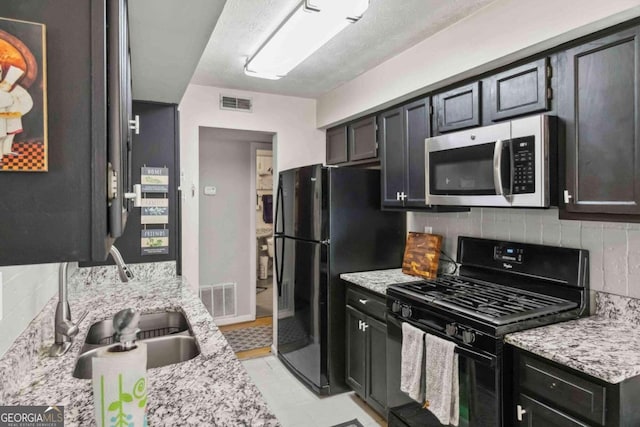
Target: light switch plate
{"points": [[428, 230], [210, 190]]}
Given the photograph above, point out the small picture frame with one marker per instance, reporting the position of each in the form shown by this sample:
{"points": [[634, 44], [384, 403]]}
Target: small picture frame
{"points": [[23, 97]]}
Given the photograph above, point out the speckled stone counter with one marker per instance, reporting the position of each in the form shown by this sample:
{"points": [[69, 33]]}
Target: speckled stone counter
{"points": [[211, 389], [605, 346], [378, 280]]}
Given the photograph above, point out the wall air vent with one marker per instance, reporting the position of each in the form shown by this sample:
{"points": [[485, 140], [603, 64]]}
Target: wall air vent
{"points": [[220, 299], [236, 104]]}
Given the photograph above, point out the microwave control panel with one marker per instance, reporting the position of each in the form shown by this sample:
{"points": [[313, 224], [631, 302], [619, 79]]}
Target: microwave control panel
{"points": [[523, 150]]}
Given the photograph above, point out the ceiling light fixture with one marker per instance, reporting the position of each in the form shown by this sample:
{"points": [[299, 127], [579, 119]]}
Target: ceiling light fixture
{"points": [[306, 29]]}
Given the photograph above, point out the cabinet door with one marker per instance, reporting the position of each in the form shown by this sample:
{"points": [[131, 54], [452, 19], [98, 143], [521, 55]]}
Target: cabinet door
{"points": [[521, 90], [356, 372], [417, 129], [363, 143], [337, 145], [536, 414], [599, 104], [458, 108], [376, 382], [392, 145]]}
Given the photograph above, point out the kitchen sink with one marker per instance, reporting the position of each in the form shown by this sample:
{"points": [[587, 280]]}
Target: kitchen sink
{"points": [[151, 325], [167, 335]]}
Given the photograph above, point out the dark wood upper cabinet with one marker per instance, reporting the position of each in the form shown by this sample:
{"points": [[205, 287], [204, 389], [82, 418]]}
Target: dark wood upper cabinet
{"points": [[392, 157], [363, 143], [521, 90], [403, 131], [416, 129], [599, 104], [337, 151], [353, 143], [458, 108], [63, 214]]}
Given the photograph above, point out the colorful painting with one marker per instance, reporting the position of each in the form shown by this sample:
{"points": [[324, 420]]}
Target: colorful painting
{"points": [[23, 97]]}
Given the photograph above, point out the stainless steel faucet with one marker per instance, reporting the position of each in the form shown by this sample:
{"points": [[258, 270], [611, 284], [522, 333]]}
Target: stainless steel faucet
{"points": [[123, 270], [64, 328]]}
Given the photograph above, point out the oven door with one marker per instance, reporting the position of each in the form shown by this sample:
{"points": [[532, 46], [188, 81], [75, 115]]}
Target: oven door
{"points": [[479, 377]]}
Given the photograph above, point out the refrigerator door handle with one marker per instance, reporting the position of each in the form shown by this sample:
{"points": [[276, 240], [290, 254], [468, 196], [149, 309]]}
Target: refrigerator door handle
{"points": [[279, 265], [279, 208]]}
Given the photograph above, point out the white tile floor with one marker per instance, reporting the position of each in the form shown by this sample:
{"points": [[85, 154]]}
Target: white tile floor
{"points": [[296, 406]]}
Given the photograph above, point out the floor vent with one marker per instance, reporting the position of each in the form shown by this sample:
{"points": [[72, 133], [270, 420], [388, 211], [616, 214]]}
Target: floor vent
{"points": [[236, 104], [219, 299]]}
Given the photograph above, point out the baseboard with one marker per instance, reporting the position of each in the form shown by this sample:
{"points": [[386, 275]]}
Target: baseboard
{"points": [[232, 320]]}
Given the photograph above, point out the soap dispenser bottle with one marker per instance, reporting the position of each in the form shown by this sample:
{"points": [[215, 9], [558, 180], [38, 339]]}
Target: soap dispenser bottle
{"points": [[120, 376]]}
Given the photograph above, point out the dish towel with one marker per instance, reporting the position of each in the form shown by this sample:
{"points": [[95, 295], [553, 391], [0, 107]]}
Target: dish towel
{"points": [[441, 383], [411, 362]]}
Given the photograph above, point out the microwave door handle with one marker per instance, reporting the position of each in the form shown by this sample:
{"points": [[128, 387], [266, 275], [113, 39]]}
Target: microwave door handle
{"points": [[497, 169]]}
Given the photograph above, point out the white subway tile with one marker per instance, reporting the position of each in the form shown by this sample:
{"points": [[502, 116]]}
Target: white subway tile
{"points": [[633, 283], [551, 234], [533, 232], [571, 234], [633, 239], [615, 260]]}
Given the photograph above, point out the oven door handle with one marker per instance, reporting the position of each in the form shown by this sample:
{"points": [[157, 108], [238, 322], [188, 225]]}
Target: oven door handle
{"points": [[497, 167], [463, 351]]}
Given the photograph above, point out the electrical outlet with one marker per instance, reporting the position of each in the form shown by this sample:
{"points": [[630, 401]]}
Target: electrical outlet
{"points": [[428, 230]]}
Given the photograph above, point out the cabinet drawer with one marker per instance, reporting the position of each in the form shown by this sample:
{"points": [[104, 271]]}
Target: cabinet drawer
{"points": [[537, 414], [367, 303], [566, 390]]}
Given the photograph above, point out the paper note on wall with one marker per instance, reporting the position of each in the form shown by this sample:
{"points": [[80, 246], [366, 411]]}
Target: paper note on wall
{"points": [[154, 211], [154, 242]]}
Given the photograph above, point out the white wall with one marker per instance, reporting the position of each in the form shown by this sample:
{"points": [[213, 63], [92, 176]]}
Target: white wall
{"points": [[500, 33], [298, 143], [25, 291], [614, 248]]}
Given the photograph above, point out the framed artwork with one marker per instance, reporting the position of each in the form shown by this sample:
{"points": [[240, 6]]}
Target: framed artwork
{"points": [[23, 97]]}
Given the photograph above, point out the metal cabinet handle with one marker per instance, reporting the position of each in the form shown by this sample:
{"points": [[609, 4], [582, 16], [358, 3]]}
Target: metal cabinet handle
{"points": [[364, 326], [520, 411], [136, 195], [363, 301], [567, 196]]}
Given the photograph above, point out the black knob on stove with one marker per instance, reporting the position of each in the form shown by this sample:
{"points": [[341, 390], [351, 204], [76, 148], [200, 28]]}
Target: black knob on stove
{"points": [[406, 311], [395, 307], [451, 329], [468, 337]]}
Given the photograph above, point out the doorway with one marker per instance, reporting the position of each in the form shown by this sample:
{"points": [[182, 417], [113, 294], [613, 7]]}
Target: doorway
{"points": [[264, 232], [236, 228]]}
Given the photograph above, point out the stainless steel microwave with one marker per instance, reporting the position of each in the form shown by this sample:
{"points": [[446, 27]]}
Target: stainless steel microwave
{"points": [[509, 164]]}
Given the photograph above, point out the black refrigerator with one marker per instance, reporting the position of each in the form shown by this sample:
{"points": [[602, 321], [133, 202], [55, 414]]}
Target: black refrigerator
{"points": [[328, 222]]}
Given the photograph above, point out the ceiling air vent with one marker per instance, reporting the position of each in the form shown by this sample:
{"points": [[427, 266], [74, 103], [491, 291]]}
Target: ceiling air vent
{"points": [[233, 103]]}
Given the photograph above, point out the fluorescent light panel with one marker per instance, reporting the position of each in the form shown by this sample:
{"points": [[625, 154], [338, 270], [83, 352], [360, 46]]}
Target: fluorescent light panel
{"points": [[311, 25]]}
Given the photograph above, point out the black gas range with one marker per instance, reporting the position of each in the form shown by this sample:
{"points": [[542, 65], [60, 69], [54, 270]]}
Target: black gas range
{"points": [[502, 287]]}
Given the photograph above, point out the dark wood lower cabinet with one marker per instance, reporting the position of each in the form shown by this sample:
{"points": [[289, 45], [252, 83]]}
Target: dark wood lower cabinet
{"points": [[536, 414], [356, 360], [547, 394], [366, 354]]}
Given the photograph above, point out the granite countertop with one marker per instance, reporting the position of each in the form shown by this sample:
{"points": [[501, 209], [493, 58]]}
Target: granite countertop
{"points": [[605, 346], [378, 280], [211, 389]]}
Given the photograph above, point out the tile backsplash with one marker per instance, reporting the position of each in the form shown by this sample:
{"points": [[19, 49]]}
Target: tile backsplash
{"points": [[26, 289], [614, 248]]}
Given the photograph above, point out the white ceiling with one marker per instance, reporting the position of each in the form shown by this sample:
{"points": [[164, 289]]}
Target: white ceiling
{"points": [[167, 38], [387, 28]]}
